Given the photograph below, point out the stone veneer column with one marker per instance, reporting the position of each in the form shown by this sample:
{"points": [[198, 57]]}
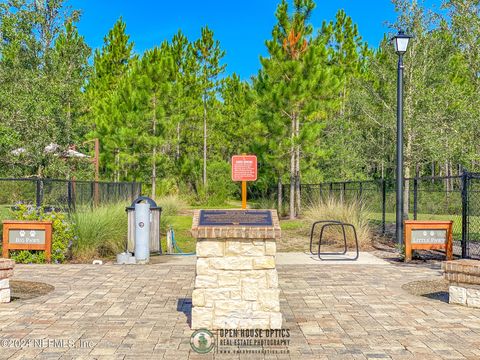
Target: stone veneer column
{"points": [[464, 279], [6, 271], [236, 283]]}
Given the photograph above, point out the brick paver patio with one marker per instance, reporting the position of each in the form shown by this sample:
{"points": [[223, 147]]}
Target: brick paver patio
{"points": [[333, 312]]}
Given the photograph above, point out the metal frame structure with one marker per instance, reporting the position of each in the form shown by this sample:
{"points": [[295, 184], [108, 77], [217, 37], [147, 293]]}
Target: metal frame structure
{"points": [[330, 223]]}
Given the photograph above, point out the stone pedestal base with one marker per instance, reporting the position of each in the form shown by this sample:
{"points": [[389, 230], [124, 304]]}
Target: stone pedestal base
{"points": [[464, 279], [464, 295], [6, 271], [236, 283]]}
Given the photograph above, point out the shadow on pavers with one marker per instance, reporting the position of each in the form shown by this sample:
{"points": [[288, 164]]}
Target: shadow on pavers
{"points": [[438, 295], [185, 305]]}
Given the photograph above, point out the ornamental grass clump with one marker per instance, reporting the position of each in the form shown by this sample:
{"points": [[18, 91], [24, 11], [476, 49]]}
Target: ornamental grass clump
{"points": [[99, 231], [171, 205], [349, 211]]}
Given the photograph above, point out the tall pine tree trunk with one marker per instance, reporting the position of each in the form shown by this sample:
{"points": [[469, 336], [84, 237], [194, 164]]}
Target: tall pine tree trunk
{"points": [[154, 151], [406, 191], [297, 166], [451, 174], [177, 153], [69, 122], [116, 172], [447, 184], [204, 141], [292, 170], [279, 195], [69, 130]]}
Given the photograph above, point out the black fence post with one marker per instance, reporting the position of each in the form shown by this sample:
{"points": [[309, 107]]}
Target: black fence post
{"points": [[69, 195], [415, 198], [384, 204], [38, 193], [360, 190], [465, 179], [92, 194]]}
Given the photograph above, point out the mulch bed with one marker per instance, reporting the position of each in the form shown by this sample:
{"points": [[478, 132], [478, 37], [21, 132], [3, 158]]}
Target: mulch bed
{"points": [[432, 289], [24, 290], [385, 248]]}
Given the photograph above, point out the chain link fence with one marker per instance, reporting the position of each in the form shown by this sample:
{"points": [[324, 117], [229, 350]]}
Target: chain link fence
{"points": [[454, 198], [65, 194]]}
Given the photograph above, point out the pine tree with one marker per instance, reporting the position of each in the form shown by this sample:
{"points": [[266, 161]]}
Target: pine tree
{"points": [[209, 55], [348, 55], [297, 87], [110, 65], [154, 74], [236, 124], [186, 108], [70, 64]]}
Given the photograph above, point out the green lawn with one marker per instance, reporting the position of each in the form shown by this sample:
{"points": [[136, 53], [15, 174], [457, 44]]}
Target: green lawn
{"points": [[291, 224], [181, 225], [390, 217], [232, 204]]}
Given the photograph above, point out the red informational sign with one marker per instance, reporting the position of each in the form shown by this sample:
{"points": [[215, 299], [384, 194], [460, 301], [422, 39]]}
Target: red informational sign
{"points": [[244, 168]]}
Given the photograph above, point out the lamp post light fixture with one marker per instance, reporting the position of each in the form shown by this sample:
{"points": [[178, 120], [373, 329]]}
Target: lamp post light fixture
{"points": [[401, 44]]}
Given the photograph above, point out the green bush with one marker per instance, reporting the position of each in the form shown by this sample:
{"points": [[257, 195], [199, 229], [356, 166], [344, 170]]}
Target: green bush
{"points": [[167, 186], [220, 187], [62, 235], [100, 231]]}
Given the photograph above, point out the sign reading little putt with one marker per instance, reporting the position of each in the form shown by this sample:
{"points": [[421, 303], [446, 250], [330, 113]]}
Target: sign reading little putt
{"points": [[244, 168], [428, 235], [27, 235]]}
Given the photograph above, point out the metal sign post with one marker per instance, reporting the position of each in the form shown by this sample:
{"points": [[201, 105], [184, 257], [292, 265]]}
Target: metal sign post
{"points": [[244, 194]]}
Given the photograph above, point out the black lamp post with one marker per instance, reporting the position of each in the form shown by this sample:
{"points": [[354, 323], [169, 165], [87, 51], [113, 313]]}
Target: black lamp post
{"points": [[401, 43]]}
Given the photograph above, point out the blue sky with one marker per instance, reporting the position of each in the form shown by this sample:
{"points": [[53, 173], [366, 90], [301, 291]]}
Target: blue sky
{"points": [[242, 26]]}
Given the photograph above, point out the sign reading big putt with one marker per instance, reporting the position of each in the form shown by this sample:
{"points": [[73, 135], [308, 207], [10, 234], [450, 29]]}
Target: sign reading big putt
{"points": [[27, 235], [244, 168], [428, 235]]}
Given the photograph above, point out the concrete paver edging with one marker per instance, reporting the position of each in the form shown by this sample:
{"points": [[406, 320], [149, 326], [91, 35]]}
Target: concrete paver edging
{"points": [[333, 312]]}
